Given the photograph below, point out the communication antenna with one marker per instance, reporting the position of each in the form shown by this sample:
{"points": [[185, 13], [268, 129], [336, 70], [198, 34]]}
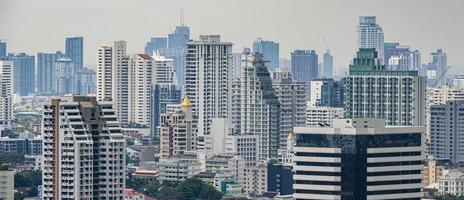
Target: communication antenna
{"points": [[325, 43]]}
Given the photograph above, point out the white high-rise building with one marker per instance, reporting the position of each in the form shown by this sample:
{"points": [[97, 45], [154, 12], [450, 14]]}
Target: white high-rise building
{"points": [[207, 81], [6, 94], [164, 70], [83, 150], [370, 35], [65, 76], [458, 82], [316, 116], [291, 95], [140, 80]]}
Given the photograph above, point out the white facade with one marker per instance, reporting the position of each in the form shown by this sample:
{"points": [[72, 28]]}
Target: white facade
{"points": [[164, 70], [69, 128], [7, 184], [178, 168], [246, 146], [216, 141], [140, 79], [6, 93], [458, 82], [207, 80], [451, 182], [322, 115], [255, 179], [370, 35], [229, 165]]}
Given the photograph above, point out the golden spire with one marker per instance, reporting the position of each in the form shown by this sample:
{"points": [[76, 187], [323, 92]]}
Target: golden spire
{"points": [[185, 102], [291, 136]]}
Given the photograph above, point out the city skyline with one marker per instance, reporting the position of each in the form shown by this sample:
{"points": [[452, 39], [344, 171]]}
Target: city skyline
{"points": [[406, 26]]}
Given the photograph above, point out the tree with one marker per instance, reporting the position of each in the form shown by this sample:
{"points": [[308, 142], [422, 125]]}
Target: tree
{"points": [[194, 188]]}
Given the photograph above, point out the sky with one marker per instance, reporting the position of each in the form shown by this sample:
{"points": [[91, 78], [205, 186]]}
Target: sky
{"points": [[42, 25]]}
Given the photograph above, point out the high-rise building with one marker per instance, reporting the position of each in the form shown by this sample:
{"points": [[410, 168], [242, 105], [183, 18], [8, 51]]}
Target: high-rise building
{"points": [[437, 69], [327, 65], [24, 73], [156, 44], [458, 82], [65, 77], [86, 82], [317, 116], [113, 78], [83, 150], [305, 67], [416, 60], [291, 95], [75, 52], [180, 37], [178, 131], [326, 92], [3, 51], [358, 159], [6, 94], [46, 71], [256, 109], [446, 131], [397, 57], [140, 80], [7, 184], [270, 51], [207, 85], [370, 35], [371, 91]]}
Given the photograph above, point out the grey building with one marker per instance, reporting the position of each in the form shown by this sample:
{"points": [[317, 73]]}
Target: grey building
{"points": [[370, 35], [24, 73], [327, 65], [305, 67], [46, 71], [180, 37], [270, 51], [160, 96], [65, 77], [156, 44], [326, 92], [2, 50], [75, 51], [446, 131], [21, 146], [86, 82], [372, 91], [437, 69]]}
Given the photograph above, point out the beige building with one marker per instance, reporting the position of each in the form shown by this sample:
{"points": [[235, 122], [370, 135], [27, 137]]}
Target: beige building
{"points": [[6, 184], [256, 179], [431, 172]]}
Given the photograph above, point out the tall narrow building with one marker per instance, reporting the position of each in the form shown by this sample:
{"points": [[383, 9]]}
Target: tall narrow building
{"points": [[371, 91], [270, 51], [6, 94], [327, 65], [156, 44], [437, 69], [256, 108], [140, 79], [291, 95], [3, 50], [65, 77], [207, 82], [370, 35], [24, 73], [46, 72], [83, 150], [75, 52], [305, 67]]}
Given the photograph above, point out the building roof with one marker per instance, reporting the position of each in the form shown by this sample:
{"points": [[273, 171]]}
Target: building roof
{"points": [[145, 56], [131, 192]]}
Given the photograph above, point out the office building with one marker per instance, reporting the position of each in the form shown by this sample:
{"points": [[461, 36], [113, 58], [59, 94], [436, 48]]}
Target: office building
{"points": [[326, 92], [327, 65], [156, 44], [322, 116], [161, 95], [441, 95], [3, 51], [207, 85], [6, 184], [416, 60], [256, 108], [279, 178], [371, 91], [24, 73], [437, 69], [397, 57], [180, 37], [178, 168], [86, 82], [305, 67], [446, 132], [178, 131], [458, 82], [291, 96], [140, 80], [358, 159], [6, 93], [75, 52], [65, 77], [46, 72], [21, 146], [270, 51], [83, 150], [370, 35], [178, 55]]}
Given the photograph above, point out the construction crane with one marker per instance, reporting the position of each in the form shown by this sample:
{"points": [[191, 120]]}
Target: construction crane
{"points": [[325, 43], [441, 76]]}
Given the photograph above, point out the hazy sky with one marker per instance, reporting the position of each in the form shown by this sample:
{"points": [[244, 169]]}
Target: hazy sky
{"points": [[41, 25]]}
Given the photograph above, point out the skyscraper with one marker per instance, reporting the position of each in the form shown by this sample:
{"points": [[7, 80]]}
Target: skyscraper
{"points": [[155, 44], [178, 131], [24, 73], [65, 77], [371, 91], [326, 92], [270, 51], [397, 57], [370, 35], [437, 69], [86, 82], [179, 38], [358, 159], [256, 108], [83, 150], [6, 93], [2, 50], [46, 71], [75, 51], [140, 80], [327, 65], [291, 95], [207, 71], [305, 67]]}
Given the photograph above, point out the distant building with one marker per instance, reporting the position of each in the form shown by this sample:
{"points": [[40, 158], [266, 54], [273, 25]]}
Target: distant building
{"points": [[305, 67], [180, 37], [246, 146], [232, 165], [6, 93], [161, 95], [46, 72], [383, 162], [83, 150], [86, 82], [397, 57], [431, 173], [370, 35], [75, 52], [140, 76], [156, 44], [178, 168], [7, 184], [317, 116], [458, 82], [437, 69], [327, 65], [21, 146], [3, 51], [65, 77], [451, 183], [24, 73], [326, 92], [270, 50]]}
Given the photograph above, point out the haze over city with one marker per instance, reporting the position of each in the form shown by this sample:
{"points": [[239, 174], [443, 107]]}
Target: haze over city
{"points": [[32, 26]]}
